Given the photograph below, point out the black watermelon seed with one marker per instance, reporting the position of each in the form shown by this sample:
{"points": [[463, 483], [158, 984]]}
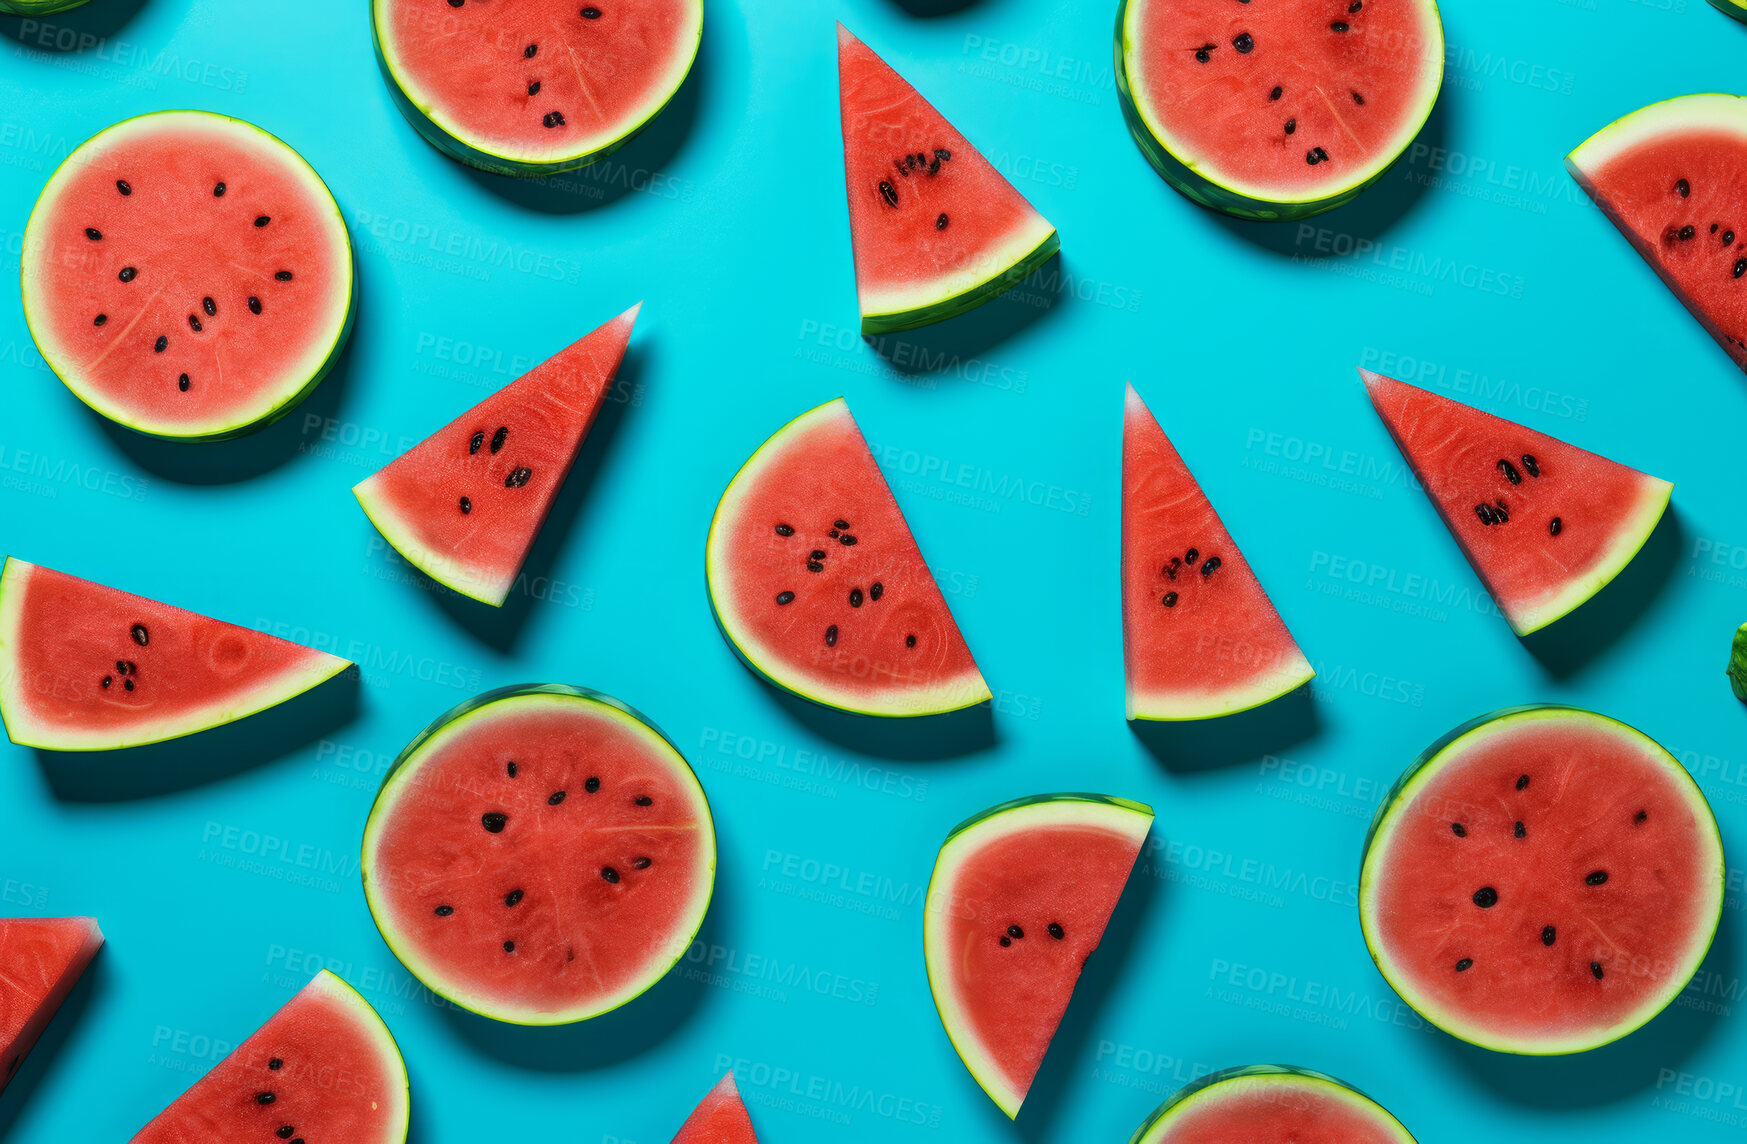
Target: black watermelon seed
{"points": [[127, 684], [108, 680], [910, 641], [1554, 527], [124, 666], [889, 193], [456, 3], [846, 539], [591, 13], [284, 1130], [534, 88], [555, 798], [1055, 931], [876, 591], [1310, 157], [1486, 897], [1191, 556], [509, 947], [818, 554], [466, 506], [1741, 267], [1015, 932], [1686, 232], [840, 524], [1291, 126], [1484, 512], [1521, 830], [210, 307], [941, 154], [528, 52], [1170, 569], [1170, 599], [254, 305], [1595, 878], [275, 1064], [494, 821], [1510, 473], [1499, 512], [512, 897], [784, 530], [1357, 98], [444, 911], [552, 119], [1006, 941], [1728, 238], [1276, 93], [518, 477], [1243, 43], [640, 863], [785, 598], [262, 220], [182, 383], [218, 191], [1210, 567], [282, 275], [940, 223], [610, 874], [855, 597], [643, 800], [1202, 55], [1595, 968], [593, 784], [1713, 228], [831, 636], [161, 344], [1458, 830], [498, 438], [1682, 188], [1640, 817], [1465, 965], [1549, 935], [194, 323], [1338, 26], [511, 767], [265, 1098], [93, 233], [140, 635], [1531, 465], [123, 186], [1522, 782], [474, 444], [99, 319], [128, 274], [815, 566]]}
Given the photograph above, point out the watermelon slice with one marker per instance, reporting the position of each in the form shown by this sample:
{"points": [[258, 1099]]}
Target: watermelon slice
{"points": [[539, 855], [89, 668], [323, 1068], [188, 275], [818, 585], [1276, 111], [1199, 634], [1019, 899], [936, 229], [465, 504], [532, 87], [1541, 880], [41, 959], [1545, 524], [720, 1119], [1271, 1103], [1671, 176]]}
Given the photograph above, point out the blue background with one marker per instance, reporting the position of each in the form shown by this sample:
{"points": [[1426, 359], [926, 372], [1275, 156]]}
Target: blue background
{"points": [[223, 868]]}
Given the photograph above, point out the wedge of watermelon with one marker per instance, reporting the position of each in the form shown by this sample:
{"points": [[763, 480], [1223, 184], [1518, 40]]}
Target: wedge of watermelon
{"points": [[465, 504], [89, 668], [1019, 899], [41, 959], [1545, 524], [323, 1068], [1270, 1104], [1673, 178], [720, 1119], [936, 229], [818, 585], [1199, 635]]}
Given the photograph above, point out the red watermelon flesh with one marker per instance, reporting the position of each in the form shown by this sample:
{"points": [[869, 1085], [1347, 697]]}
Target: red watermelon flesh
{"points": [[41, 960], [89, 668], [1200, 636], [1544, 523], [720, 1119], [465, 504], [323, 1068], [1673, 178]]}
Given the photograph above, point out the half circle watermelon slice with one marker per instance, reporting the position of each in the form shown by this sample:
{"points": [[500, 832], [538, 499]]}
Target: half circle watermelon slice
{"points": [[1545, 524], [1541, 880], [539, 855], [936, 229], [465, 504], [41, 959], [323, 1068], [818, 585], [188, 275], [1673, 178], [1270, 1103], [89, 668], [1200, 637], [721, 1118], [533, 87], [1019, 899]]}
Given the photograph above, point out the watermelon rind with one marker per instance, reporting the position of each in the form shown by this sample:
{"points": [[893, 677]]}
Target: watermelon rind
{"points": [[1212, 1086], [1737, 669], [38, 7], [369, 1021], [429, 123], [272, 406], [1251, 201], [955, 294], [401, 775], [1731, 7], [1016, 816], [1407, 787]]}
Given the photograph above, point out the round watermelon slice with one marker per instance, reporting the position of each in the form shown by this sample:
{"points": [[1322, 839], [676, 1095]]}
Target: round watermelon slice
{"points": [[1270, 1103], [818, 585], [188, 275], [720, 1119], [1673, 178], [534, 87], [323, 1068], [539, 855], [41, 959], [1541, 880], [1276, 111], [1019, 899]]}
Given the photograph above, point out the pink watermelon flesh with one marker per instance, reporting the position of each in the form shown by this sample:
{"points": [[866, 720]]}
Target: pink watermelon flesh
{"points": [[465, 504], [720, 1119], [85, 668], [1275, 1107], [936, 229], [323, 1068], [1200, 636], [1545, 524], [819, 586], [187, 274], [41, 960]]}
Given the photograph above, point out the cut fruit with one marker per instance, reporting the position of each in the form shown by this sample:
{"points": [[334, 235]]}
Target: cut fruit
{"points": [[89, 668], [818, 585], [41, 959], [1737, 669], [1276, 111], [1270, 1103], [188, 275], [323, 1068], [1019, 899], [1673, 177], [720, 1119], [531, 87], [936, 229], [465, 504], [539, 855], [1199, 635], [1541, 880], [1545, 524]]}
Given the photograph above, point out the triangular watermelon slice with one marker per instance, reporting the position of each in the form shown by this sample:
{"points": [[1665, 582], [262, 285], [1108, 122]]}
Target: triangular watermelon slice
{"points": [[41, 960], [936, 229], [465, 504], [1545, 524], [1199, 635], [89, 668], [720, 1119]]}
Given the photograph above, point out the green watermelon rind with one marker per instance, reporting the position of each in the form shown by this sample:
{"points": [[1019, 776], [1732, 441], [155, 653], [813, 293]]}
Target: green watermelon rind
{"points": [[1122, 814], [1731, 8], [661, 965], [1209, 192], [931, 304], [1153, 1129], [1420, 772], [427, 124], [369, 1021], [39, 7]]}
